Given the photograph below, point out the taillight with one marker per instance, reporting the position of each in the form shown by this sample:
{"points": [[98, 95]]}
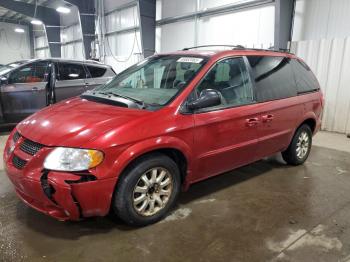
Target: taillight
{"points": [[322, 99]]}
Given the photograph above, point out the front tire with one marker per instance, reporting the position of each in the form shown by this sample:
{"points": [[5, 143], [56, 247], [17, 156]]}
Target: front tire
{"points": [[147, 190], [300, 147]]}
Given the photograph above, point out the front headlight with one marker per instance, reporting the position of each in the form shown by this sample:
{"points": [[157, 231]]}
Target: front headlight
{"points": [[72, 159]]}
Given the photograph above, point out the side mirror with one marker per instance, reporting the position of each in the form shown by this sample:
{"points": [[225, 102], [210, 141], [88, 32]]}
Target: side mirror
{"points": [[3, 80], [207, 98]]}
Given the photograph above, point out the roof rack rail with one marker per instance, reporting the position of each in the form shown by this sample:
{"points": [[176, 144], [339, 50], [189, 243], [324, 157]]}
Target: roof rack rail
{"points": [[271, 48], [201, 46], [93, 61]]}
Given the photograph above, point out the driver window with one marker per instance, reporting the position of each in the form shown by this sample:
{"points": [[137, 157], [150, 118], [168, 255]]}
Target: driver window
{"points": [[231, 79], [32, 73]]}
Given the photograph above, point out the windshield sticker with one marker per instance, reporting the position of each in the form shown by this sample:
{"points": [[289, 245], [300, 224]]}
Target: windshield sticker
{"points": [[194, 60]]}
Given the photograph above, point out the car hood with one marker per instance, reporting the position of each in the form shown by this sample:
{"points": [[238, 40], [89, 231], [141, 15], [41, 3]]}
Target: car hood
{"points": [[75, 122]]}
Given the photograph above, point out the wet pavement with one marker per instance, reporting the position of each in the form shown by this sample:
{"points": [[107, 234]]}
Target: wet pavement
{"points": [[266, 211]]}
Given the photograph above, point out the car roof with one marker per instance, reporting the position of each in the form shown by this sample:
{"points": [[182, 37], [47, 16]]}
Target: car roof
{"points": [[85, 62], [20, 61]]}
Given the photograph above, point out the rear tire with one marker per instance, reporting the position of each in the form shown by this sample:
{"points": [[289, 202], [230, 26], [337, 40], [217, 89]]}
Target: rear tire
{"points": [[147, 190], [300, 147]]}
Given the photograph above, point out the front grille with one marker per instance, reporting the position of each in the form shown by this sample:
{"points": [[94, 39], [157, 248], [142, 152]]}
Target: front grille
{"points": [[30, 147], [18, 162], [16, 136]]}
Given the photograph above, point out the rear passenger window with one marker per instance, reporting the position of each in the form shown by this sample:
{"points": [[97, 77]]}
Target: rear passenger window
{"points": [[68, 71], [96, 71], [273, 76], [305, 79]]}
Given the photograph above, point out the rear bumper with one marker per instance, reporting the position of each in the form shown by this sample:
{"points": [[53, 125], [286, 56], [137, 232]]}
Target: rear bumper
{"points": [[61, 195]]}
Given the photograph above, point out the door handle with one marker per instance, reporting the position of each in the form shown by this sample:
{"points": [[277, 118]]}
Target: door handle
{"points": [[35, 88], [267, 118], [252, 122]]}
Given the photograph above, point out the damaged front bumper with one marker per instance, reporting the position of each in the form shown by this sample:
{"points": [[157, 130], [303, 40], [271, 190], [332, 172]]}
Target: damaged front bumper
{"points": [[62, 195]]}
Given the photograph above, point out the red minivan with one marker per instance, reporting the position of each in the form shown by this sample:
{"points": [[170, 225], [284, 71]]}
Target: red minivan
{"points": [[129, 146]]}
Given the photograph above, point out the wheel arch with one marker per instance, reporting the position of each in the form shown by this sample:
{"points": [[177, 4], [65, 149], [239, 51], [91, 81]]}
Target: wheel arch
{"points": [[172, 147], [310, 120]]}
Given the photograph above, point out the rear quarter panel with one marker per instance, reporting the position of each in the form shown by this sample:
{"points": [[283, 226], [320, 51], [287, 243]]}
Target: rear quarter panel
{"points": [[312, 108]]}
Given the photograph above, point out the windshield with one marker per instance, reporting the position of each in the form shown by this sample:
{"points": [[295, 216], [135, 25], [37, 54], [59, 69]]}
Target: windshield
{"points": [[7, 68], [154, 82]]}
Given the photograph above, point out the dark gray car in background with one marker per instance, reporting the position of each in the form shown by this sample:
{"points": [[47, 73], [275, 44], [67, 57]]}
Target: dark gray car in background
{"points": [[37, 83]]}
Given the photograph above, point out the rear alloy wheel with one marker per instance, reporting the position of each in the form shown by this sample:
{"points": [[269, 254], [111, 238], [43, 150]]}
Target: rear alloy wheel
{"points": [[300, 147], [147, 190], [303, 143]]}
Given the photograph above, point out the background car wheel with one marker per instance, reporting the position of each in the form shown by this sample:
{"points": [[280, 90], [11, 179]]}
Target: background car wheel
{"points": [[300, 147], [147, 190]]}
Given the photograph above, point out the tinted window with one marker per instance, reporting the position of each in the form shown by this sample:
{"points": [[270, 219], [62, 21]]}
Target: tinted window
{"points": [[305, 79], [68, 71], [231, 79], [96, 71], [273, 77], [32, 73]]}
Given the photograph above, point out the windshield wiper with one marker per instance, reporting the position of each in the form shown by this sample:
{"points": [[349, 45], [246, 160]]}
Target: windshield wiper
{"points": [[135, 100]]}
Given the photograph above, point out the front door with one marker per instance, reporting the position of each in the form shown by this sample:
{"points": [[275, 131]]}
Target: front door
{"points": [[225, 136], [25, 92], [70, 80]]}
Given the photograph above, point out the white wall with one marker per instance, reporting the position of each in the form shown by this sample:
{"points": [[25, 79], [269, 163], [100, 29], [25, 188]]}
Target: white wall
{"points": [[71, 36], [122, 49], [330, 61], [322, 38], [14, 46], [318, 19], [251, 28], [169, 8], [41, 42], [113, 4], [72, 47]]}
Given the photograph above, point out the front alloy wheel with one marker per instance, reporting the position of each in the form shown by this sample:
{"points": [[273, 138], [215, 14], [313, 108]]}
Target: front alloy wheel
{"points": [[152, 191], [147, 189]]}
